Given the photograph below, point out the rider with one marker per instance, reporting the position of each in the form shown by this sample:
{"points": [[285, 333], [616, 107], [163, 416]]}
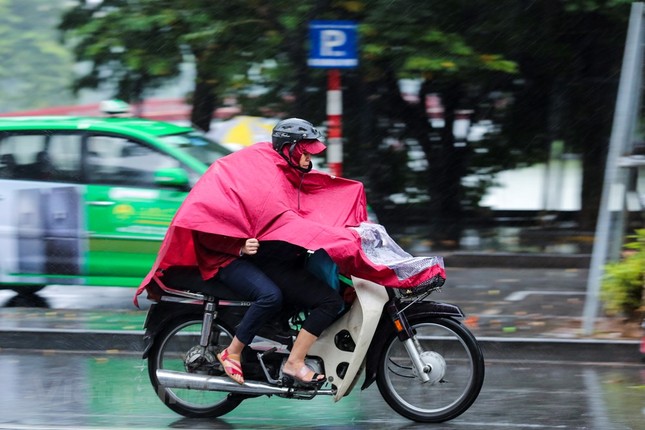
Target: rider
{"points": [[273, 273]]}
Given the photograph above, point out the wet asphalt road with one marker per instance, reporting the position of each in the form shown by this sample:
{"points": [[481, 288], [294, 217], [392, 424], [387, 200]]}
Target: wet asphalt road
{"points": [[63, 390], [56, 390]]}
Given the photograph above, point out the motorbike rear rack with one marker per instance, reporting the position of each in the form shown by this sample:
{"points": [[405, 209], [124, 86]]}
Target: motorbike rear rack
{"points": [[174, 292]]}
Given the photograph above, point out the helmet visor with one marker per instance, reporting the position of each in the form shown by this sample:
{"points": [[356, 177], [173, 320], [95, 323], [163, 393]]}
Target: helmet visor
{"points": [[312, 147]]}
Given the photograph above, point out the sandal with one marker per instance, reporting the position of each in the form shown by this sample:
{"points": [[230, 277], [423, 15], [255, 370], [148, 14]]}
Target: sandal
{"points": [[231, 365], [302, 373]]}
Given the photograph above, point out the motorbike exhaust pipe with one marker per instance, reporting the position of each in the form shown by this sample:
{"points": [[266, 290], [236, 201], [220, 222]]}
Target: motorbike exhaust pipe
{"points": [[174, 379]]}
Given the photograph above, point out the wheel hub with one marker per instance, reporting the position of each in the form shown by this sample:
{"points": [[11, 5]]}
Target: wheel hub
{"points": [[198, 358], [435, 365]]}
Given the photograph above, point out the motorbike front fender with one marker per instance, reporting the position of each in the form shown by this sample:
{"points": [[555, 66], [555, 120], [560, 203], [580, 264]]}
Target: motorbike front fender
{"points": [[385, 329]]}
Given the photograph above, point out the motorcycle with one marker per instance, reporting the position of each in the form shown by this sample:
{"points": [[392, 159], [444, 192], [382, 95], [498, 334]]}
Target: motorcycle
{"points": [[427, 365]]}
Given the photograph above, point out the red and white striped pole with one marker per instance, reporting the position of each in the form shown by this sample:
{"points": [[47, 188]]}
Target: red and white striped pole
{"points": [[334, 123]]}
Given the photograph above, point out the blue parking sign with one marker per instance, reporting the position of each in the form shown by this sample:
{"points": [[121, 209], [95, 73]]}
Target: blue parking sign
{"points": [[333, 44]]}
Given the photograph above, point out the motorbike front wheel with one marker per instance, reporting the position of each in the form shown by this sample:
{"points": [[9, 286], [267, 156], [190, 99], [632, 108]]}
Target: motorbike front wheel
{"points": [[170, 352], [456, 378]]}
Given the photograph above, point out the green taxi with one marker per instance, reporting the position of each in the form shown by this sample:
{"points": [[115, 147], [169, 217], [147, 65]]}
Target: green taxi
{"points": [[87, 200]]}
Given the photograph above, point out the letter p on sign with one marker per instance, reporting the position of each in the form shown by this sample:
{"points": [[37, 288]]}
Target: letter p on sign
{"points": [[333, 44]]}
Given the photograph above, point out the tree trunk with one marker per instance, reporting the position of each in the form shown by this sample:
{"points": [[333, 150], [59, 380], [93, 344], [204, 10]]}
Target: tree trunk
{"points": [[594, 130], [204, 102], [597, 64], [302, 106], [447, 168]]}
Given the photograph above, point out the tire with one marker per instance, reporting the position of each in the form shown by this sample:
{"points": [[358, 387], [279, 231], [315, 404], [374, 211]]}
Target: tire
{"points": [[444, 397], [168, 352], [27, 300], [26, 289]]}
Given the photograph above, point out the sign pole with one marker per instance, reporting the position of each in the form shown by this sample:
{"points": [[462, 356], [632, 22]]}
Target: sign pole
{"points": [[333, 46], [334, 123], [622, 134]]}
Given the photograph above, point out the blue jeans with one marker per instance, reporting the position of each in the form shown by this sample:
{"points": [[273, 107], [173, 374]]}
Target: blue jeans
{"points": [[249, 281], [302, 289]]}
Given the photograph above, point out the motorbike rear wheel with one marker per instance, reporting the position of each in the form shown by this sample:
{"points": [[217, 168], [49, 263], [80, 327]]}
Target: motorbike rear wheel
{"points": [[169, 352], [456, 378]]}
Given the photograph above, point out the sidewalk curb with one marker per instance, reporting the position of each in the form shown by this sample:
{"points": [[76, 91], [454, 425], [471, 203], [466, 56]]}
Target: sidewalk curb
{"points": [[556, 349], [494, 348], [78, 340], [516, 260]]}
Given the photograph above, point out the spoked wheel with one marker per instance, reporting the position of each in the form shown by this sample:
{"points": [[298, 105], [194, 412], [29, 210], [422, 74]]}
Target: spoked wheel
{"points": [[456, 378], [177, 348]]}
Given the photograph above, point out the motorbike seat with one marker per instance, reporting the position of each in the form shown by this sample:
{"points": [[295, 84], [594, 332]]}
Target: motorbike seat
{"points": [[189, 278]]}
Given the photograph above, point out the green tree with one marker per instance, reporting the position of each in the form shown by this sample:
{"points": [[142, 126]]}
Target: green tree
{"points": [[546, 69], [138, 46], [570, 55], [35, 69], [623, 284], [408, 40], [127, 45], [554, 62]]}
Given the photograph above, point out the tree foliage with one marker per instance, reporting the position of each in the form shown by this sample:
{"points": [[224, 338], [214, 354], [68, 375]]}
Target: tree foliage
{"points": [[545, 70], [139, 45], [551, 74], [570, 56], [35, 70], [623, 284], [130, 45], [405, 39]]}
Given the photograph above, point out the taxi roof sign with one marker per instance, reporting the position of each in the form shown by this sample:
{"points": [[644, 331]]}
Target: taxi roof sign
{"points": [[115, 107]]}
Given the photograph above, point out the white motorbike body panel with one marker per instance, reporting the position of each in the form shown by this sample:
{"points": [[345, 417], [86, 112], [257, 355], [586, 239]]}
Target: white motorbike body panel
{"points": [[361, 322]]}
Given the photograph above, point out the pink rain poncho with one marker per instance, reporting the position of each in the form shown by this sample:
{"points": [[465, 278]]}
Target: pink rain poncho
{"points": [[254, 193]]}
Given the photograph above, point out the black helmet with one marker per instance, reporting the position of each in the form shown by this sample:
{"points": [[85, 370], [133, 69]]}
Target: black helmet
{"points": [[291, 131]]}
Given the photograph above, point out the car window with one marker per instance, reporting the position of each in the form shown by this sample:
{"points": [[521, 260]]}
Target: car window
{"points": [[65, 157], [197, 145], [41, 156], [115, 160]]}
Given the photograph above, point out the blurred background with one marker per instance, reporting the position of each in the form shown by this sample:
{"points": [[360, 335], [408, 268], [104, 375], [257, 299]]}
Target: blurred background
{"points": [[473, 125]]}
